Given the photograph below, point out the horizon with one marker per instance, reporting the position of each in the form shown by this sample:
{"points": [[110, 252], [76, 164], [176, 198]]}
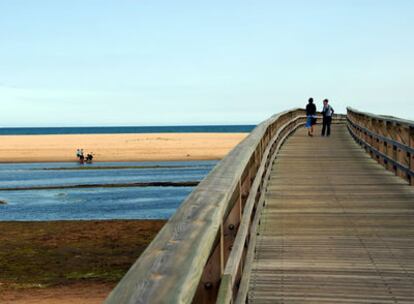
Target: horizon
{"points": [[129, 126], [202, 124], [165, 125], [87, 64]]}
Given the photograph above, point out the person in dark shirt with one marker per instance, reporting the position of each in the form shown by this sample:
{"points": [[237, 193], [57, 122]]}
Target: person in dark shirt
{"points": [[310, 116], [327, 113]]}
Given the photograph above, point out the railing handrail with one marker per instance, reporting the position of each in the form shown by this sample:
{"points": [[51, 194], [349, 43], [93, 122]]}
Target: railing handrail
{"points": [[226, 294], [389, 140], [169, 270], [383, 138], [173, 267], [384, 117]]}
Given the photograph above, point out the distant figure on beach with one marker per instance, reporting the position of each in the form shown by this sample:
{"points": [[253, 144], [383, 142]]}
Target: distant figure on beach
{"points": [[310, 116], [82, 159], [327, 113], [79, 154], [89, 158]]}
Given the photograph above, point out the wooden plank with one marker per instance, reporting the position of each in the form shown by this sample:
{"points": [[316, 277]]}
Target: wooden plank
{"points": [[411, 156], [382, 117], [226, 290], [336, 227], [386, 140], [171, 268], [233, 264]]}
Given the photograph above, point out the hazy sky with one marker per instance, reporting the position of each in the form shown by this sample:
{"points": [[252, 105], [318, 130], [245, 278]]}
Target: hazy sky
{"points": [[153, 62]]}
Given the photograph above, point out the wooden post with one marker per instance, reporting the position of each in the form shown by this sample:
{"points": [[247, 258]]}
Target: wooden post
{"points": [[389, 148], [374, 139], [404, 156], [381, 142], [207, 289], [230, 227], [240, 200], [396, 154], [411, 161]]}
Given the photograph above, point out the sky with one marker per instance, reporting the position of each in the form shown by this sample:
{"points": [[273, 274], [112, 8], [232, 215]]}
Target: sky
{"points": [[136, 62]]}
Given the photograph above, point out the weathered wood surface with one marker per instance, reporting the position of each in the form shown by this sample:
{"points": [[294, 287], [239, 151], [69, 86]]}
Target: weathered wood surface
{"points": [[389, 140], [336, 227], [186, 260], [246, 235]]}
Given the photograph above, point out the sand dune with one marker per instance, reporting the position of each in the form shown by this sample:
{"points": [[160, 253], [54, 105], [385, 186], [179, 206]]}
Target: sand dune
{"points": [[118, 147]]}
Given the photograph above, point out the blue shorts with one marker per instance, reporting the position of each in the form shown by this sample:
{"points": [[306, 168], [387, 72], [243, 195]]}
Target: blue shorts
{"points": [[309, 121]]}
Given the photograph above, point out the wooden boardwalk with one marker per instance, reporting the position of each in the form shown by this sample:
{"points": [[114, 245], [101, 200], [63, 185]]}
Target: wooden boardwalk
{"points": [[336, 228]]}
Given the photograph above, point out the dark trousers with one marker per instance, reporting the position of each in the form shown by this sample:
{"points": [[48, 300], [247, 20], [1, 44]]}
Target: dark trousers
{"points": [[326, 125]]}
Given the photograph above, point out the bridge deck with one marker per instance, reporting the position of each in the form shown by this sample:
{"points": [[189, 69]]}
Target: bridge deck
{"points": [[337, 227]]}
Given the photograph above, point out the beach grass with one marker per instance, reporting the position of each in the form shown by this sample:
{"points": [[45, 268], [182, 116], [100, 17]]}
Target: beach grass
{"points": [[45, 254]]}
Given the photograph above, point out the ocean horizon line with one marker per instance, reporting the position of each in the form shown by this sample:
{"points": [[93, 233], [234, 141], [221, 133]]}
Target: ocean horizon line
{"points": [[214, 128], [129, 126]]}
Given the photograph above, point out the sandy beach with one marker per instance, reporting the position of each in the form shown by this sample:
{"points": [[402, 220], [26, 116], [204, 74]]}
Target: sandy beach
{"points": [[118, 147], [81, 261]]}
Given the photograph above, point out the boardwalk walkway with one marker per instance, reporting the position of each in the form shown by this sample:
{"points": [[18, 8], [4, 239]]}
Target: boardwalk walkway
{"points": [[336, 228]]}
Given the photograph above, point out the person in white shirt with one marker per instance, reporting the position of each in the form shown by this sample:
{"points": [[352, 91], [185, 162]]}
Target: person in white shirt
{"points": [[327, 113]]}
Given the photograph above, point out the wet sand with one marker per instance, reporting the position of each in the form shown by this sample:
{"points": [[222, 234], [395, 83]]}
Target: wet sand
{"points": [[118, 147]]}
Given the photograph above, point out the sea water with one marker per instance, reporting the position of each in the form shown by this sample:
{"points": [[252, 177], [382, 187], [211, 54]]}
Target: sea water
{"points": [[129, 129], [92, 203]]}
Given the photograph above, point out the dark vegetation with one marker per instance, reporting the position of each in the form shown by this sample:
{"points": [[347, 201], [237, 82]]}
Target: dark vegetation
{"points": [[53, 253]]}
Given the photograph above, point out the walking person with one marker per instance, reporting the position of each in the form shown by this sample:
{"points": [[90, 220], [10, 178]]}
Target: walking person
{"points": [[310, 116], [79, 154], [82, 159], [89, 158], [327, 113]]}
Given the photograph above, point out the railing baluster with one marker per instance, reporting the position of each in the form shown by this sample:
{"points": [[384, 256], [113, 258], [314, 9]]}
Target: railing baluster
{"points": [[387, 140], [206, 246], [411, 161]]}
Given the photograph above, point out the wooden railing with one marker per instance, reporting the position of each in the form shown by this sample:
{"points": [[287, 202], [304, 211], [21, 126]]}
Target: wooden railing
{"points": [[387, 139], [202, 254]]}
